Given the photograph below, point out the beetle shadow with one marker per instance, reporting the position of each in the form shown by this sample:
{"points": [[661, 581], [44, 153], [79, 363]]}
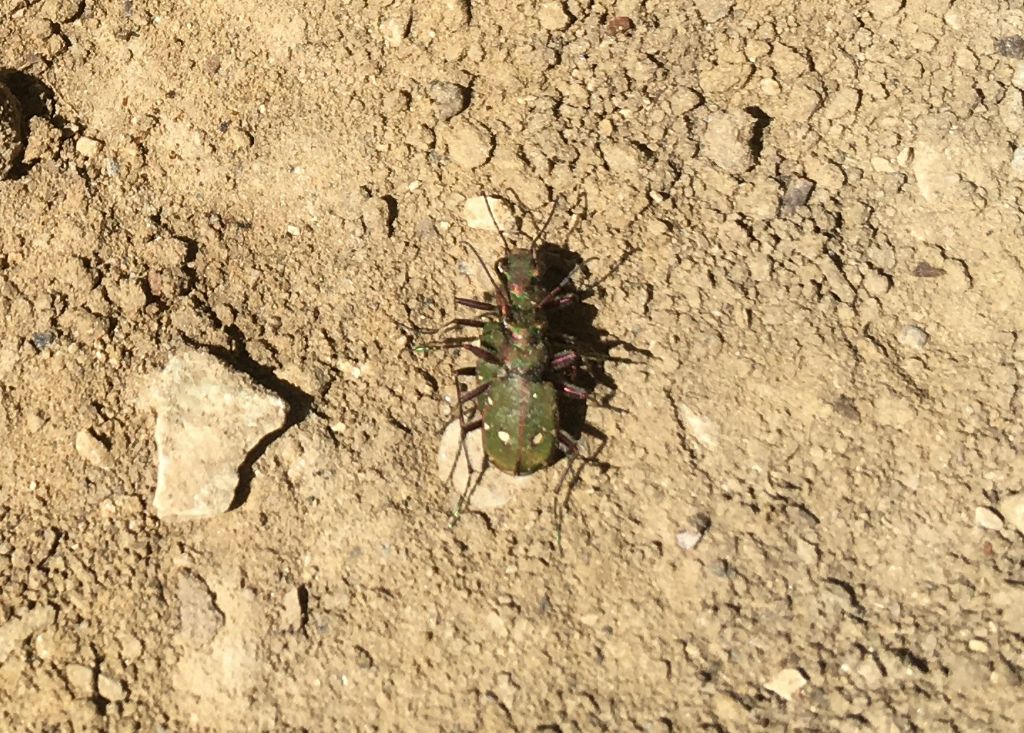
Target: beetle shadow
{"points": [[573, 327], [36, 99], [298, 403]]}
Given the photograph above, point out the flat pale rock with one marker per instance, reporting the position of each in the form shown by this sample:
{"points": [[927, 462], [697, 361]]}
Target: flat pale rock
{"points": [[729, 141], [786, 683], [208, 419], [491, 491], [489, 213]]}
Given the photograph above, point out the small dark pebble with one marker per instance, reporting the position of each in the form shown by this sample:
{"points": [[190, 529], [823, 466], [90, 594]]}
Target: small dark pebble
{"points": [[619, 24], [42, 340], [923, 269], [1010, 46], [720, 567], [363, 658], [798, 191], [844, 406]]}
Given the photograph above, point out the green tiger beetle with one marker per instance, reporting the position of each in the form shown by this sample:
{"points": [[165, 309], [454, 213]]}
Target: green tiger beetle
{"points": [[520, 375]]}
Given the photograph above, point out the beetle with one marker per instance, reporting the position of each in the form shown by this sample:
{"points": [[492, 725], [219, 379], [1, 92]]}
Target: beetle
{"points": [[518, 373]]}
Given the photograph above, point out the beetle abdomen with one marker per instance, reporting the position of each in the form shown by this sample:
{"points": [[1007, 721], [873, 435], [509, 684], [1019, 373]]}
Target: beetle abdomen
{"points": [[520, 419]]}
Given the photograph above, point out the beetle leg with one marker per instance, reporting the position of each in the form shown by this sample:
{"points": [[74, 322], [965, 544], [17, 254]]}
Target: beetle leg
{"points": [[571, 451], [564, 359], [474, 393], [464, 322], [481, 353], [465, 428], [478, 304], [566, 443], [562, 301], [577, 393]]}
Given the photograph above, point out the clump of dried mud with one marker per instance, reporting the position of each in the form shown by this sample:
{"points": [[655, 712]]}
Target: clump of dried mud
{"points": [[809, 215]]}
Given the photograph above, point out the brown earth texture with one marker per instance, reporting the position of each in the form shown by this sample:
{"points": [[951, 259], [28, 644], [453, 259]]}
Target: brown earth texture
{"points": [[799, 497]]}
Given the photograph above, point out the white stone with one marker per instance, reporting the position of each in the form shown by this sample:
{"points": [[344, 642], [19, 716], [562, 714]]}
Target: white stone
{"points": [[688, 539], [92, 449], [1017, 163], [979, 646], [913, 336], [110, 688], [477, 215], [987, 519], [493, 490], [786, 683], [208, 420], [1012, 509], [703, 430], [88, 147]]}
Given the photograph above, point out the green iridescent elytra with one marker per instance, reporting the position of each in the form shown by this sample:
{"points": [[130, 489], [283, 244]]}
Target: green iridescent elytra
{"points": [[519, 409]]}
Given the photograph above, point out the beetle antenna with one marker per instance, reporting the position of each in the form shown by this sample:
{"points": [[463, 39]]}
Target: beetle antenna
{"points": [[494, 220], [499, 290], [544, 227]]}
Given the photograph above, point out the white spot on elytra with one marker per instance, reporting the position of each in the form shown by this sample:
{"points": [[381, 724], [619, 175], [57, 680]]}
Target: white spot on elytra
{"points": [[538, 438], [490, 401], [486, 427], [503, 436]]}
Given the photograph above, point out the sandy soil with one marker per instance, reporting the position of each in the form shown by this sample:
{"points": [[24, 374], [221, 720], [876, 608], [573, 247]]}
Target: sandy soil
{"points": [[808, 214]]}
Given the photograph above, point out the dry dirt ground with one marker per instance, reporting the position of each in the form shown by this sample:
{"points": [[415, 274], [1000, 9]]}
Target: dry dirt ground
{"points": [[804, 218]]}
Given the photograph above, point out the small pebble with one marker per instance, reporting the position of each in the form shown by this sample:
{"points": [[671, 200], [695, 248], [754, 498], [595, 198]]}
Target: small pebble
{"points": [[978, 645], [1011, 47], [552, 16], [621, 157], [394, 29], [923, 269], [449, 99], [913, 336], [689, 539], [728, 141], [110, 689], [469, 145], [798, 191], [1017, 162], [1012, 508], [478, 216], [293, 231], [691, 535], [619, 24], [42, 340], [449, 452], [376, 216], [92, 449], [80, 679], [88, 147], [786, 683], [492, 491], [876, 284], [987, 519]]}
